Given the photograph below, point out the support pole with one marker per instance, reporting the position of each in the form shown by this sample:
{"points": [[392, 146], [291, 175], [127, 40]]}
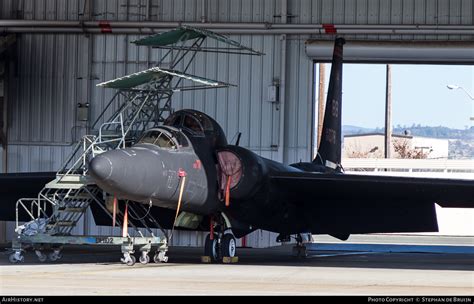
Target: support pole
{"points": [[204, 6], [321, 99], [4, 133], [282, 99], [388, 112], [86, 99]]}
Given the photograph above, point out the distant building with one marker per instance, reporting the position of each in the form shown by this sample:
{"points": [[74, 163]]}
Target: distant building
{"points": [[372, 145]]}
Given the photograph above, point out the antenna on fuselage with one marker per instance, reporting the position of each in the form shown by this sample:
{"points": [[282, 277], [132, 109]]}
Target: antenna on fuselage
{"points": [[237, 142]]}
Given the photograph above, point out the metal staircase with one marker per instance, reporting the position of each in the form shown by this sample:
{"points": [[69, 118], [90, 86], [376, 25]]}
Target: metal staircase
{"points": [[63, 202]]}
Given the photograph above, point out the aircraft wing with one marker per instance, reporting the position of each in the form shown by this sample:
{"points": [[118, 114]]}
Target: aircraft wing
{"points": [[349, 187], [344, 204], [14, 186]]}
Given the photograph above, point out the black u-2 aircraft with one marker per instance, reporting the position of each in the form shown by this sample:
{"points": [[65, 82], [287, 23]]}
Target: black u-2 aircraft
{"points": [[230, 191]]}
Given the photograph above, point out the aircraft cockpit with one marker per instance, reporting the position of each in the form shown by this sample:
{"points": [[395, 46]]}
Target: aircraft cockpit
{"points": [[166, 138], [197, 124]]}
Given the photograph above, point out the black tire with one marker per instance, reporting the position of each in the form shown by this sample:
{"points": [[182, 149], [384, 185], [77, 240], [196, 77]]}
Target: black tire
{"points": [[211, 248], [13, 259], [160, 257], [132, 260], [144, 260], [42, 258], [228, 245]]}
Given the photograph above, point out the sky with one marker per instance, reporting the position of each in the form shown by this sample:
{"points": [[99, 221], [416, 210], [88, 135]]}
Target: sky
{"points": [[419, 95]]}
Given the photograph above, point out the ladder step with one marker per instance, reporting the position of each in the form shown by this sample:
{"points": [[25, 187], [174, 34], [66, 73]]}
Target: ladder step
{"points": [[71, 178], [65, 223], [79, 196], [56, 185], [73, 181], [72, 209]]}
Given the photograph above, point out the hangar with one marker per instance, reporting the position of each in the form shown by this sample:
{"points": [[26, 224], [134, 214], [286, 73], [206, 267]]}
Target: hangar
{"points": [[54, 53]]}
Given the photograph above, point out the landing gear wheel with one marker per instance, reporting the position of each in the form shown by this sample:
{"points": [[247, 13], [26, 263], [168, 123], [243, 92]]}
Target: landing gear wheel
{"points": [[300, 252], [41, 256], [211, 248], [228, 245], [54, 256], [160, 257], [16, 257], [300, 249], [144, 258]]}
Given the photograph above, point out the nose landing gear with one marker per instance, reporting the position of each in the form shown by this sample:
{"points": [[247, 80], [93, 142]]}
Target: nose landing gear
{"points": [[211, 247], [228, 245], [220, 246]]}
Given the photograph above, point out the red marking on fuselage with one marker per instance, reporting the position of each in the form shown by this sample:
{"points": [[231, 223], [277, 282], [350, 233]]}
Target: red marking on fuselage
{"points": [[197, 164], [181, 172]]}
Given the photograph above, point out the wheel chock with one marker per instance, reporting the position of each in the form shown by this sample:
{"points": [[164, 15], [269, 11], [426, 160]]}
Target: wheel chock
{"points": [[230, 260], [206, 259]]}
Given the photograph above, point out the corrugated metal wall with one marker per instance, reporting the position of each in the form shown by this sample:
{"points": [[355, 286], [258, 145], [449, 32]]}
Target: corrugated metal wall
{"points": [[56, 71], [442, 12]]}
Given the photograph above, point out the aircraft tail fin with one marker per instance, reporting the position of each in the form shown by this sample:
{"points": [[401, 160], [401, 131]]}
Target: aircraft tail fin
{"points": [[329, 150]]}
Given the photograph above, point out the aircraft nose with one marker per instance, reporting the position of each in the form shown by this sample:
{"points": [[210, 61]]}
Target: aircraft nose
{"points": [[100, 168], [109, 170], [129, 173]]}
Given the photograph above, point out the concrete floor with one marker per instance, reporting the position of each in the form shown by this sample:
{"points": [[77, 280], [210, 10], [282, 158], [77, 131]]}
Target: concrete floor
{"points": [[87, 271]]}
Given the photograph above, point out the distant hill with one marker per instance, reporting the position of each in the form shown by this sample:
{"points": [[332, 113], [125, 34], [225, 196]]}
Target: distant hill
{"points": [[461, 142], [348, 130], [417, 130], [438, 132]]}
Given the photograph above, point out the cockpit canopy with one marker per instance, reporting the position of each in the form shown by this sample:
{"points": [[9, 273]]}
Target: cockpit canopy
{"points": [[165, 137], [197, 124]]}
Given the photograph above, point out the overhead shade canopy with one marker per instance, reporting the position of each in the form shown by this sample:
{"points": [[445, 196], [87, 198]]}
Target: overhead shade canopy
{"points": [[412, 52], [170, 37], [185, 33], [154, 74]]}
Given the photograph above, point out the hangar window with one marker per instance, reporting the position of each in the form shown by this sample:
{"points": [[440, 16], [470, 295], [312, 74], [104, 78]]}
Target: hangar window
{"points": [[420, 96]]}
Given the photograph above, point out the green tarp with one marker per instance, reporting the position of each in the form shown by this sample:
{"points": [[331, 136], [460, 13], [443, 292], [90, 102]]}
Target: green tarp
{"points": [[146, 76]]}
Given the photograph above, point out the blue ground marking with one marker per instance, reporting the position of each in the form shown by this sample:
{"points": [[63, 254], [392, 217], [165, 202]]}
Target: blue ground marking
{"points": [[390, 248]]}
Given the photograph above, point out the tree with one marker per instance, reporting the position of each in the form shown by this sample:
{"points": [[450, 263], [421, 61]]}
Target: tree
{"points": [[403, 149], [357, 152]]}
